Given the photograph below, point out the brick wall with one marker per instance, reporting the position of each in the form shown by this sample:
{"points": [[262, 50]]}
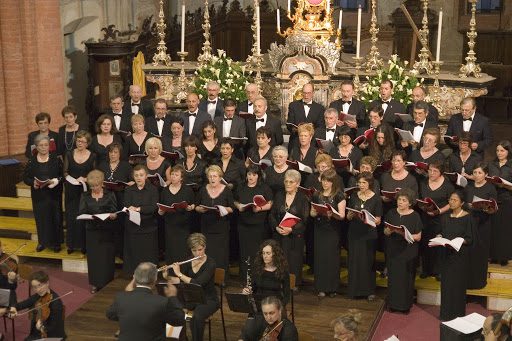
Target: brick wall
{"points": [[31, 69]]}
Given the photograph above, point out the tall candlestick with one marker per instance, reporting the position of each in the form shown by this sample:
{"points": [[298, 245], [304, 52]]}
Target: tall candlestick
{"points": [[439, 28], [358, 46], [340, 19], [289, 6], [258, 36], [327, 6], [278, 21], [183, 27]]}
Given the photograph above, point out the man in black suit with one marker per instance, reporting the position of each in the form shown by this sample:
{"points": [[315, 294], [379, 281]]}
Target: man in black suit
{"points": [[121, 115], [194, 118], [389, 105], [418, 94], [476, 124], [141, 314], [252, 92], [137, 105], [230, 125], [418, 126], [331, 131], [349, 105], [304, 111], [160, 124], [213, 105], [262, 119]]}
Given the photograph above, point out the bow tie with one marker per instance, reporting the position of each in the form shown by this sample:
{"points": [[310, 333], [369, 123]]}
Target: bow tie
{"points": [[418, 125], [307, 104], [158, 119], [212, 102], [136, 104], [330, 130], [468, 119], [192, 114], [117, 115], [249, 104], [228, 118], [385, 102], [260, 120], [346, 102]]}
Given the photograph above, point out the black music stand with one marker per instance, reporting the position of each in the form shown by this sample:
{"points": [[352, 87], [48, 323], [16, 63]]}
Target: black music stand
{"points": [[190, 294], [239, 303]]}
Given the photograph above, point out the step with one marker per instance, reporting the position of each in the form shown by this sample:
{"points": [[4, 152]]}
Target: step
{"points": [[18, 224], [16, 204], [23, 190], [75, 262]]}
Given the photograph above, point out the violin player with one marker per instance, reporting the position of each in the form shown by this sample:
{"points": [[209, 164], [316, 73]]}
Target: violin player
{"points": [[8, 275], [46, 318], [273, 326]]}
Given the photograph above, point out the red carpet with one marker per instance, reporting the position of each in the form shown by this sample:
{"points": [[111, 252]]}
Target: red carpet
{"points": [[421, 324], [61, 282]]}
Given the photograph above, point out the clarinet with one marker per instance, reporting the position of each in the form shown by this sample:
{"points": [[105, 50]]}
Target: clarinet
{"points": [[248, 284]]}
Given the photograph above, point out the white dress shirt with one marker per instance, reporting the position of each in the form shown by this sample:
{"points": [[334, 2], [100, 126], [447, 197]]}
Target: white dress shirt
{"points": [[466, 125], [261, 124], [117, 119], [418, 131], [346, 106], [307, 108], [135, 108], [211, 107], [250, 107], [191, 121], [329, 135], [226, 127], [160, 125]]}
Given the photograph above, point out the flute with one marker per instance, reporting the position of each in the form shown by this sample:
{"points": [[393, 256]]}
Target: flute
{"points": [[162, 268]]}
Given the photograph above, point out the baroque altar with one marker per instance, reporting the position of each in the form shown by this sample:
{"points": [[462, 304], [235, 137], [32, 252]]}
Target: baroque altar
{"points": [[313, 52]]}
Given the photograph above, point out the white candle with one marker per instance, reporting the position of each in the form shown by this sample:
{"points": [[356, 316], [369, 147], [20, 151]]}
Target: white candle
{"points": [[258, 45], [289, 6], [327, 6], [358, 46], [278, 21], [340, 19], [183, 27], [439, 28]]}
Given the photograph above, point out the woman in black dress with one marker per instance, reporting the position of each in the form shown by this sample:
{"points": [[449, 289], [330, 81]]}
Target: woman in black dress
{"points": [[274, 176], [177, 222], [174, 142], [77, 164], [209, 148], [305, 152], [116, 172], [233, 168], [464, 161], [67, 132], [361, 239], [99, 233], [43, 121], [194, 166], [455, 265], [291, 239], [263, 151], [201, 272], [135, 144], [428, 152], [140, 242], [438, 188], [155, 162], [402, 253], [346, 150], [479, 252], [251, 220], [501, 234], [327, 234], [366, 164], [46, 196], [105, 136], [215, 203]]}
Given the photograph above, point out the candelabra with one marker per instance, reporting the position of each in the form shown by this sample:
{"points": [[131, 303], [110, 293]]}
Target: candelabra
{"points": [[436, 93], [182, 79], [339, 42], [204, 57], [356, 81], [424, 64], [254, 27], [161, 56], [373, 60], [471, 67]]}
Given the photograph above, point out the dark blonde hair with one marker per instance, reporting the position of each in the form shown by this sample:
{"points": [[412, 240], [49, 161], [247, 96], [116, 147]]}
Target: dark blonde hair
{"points": [[331, 176], [195, 240]]}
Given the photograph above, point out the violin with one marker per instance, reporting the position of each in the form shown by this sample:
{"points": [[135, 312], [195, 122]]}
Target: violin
{"points": [[272, 331], [41, 311], [7, 264]]}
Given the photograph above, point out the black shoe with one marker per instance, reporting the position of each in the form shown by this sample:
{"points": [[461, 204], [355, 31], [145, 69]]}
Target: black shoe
{"points": [[39, 248], [83, 250], [504, 263], [424, 275], [56, 249], [70, 251], [438, 278]]}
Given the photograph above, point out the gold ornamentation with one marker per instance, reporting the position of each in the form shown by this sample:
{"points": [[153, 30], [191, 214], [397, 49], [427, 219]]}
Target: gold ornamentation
{"points": [[436, 97], [356, 81], [373, 60], [471, 67], [161, 56], [182, 79], [204, 57], [165, 85], [424, 64]]}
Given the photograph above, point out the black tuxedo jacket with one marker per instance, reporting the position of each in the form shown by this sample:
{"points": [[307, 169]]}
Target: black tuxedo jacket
{"points": [[219, 109], [143, 315], [237, 127], [146, 108], [243, 106], [480, 130], [272, 123], [356, 108], [151, 126], [126, 119], [201, 117], [433, 113], [410, 126], [321, 133], [394, 107], [297, 115]]}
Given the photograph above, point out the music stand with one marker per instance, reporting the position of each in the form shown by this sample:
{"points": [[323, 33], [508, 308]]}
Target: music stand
{"points": [[190, 294], [239, 303]]}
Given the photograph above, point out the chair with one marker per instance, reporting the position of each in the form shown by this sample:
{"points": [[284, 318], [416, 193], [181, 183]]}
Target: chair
{"points": [[292, 288], [220, 275], [303, 336]]}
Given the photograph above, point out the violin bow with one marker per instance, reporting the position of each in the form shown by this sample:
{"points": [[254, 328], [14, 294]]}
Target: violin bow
{"points": [[55, 299], [13, 253], [270, 331]]}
